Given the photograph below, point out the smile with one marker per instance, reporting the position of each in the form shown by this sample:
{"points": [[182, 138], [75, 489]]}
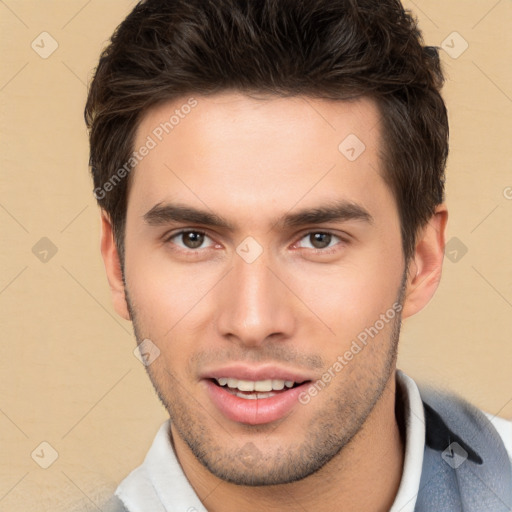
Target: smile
{"points": [[254, 390], [254, 402]]}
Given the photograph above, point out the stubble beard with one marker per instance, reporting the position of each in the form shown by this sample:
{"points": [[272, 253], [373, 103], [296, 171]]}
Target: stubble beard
{"points": [[246, 462]]}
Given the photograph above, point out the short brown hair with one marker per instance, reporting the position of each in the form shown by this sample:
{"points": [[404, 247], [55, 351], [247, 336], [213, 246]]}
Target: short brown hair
{"points": [[336, 49]]}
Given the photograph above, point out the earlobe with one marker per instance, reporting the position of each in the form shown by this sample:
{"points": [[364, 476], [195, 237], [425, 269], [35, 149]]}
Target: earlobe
{"points": [[112, 264], [425, 268]]}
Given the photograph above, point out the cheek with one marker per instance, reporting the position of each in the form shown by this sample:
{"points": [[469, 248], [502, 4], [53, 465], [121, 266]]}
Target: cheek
{"points": [[166, 296], [350, 297]]}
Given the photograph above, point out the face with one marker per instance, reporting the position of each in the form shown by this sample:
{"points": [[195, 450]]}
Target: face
{"points": [[259, 255]]}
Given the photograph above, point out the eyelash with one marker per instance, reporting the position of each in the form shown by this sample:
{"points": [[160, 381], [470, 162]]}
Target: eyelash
{"points": [[326, 251]]}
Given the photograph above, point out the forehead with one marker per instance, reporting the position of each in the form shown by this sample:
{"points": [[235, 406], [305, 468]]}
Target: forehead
{"points": [[254, 151]]}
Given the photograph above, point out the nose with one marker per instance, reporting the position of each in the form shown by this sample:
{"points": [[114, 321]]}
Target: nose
{"points": [[255, 304]]}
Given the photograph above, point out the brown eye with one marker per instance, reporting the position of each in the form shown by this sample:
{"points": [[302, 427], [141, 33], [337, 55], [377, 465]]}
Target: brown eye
{"points": [[192, 239], [188, 239], [319, 240]]}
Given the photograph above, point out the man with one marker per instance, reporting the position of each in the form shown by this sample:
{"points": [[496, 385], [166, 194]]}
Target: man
{"points": [[270, 175]]}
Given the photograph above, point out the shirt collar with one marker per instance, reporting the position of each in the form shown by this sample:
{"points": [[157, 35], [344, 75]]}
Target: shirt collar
{"points": [[414, 419]]}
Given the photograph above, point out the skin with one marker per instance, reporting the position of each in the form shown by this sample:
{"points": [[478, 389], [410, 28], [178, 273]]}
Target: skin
{"points": [[253, 160]]}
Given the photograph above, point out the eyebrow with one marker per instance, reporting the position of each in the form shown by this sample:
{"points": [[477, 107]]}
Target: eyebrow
{"points": [[335, 211]]}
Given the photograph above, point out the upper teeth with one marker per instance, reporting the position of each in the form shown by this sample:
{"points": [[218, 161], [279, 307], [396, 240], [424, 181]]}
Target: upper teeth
{"points": [[258, 385]]}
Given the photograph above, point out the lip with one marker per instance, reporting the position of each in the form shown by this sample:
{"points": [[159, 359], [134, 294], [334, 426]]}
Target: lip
{"points": [[264, 372], [257, 411], [253, 412]]}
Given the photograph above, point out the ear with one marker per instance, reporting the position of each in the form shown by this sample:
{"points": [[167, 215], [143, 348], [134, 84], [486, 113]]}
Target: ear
{"points": [[426, 264], [113, 266]]}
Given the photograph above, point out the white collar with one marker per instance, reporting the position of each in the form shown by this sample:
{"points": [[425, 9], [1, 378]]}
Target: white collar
{"points": [[160, 485], [414, 418]]}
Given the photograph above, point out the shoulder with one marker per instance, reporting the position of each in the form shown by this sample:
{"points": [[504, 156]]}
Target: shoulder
{"points": [[466, 465], [450, 417], [504, 429]]}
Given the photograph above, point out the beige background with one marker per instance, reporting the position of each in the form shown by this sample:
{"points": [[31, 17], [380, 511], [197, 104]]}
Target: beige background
{"points": [[68, 373]]}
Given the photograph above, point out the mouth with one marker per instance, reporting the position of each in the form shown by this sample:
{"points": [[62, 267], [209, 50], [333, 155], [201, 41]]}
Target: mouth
{"points": [[255, 402], [255, 390]]}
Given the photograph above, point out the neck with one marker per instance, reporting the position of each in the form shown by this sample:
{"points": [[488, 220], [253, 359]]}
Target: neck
{"points": [[372, 460]]}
